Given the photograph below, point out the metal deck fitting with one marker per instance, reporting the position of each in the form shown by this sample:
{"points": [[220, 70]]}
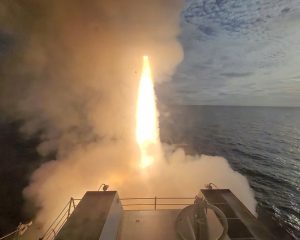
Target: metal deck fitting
{"points": [[103, 216]]}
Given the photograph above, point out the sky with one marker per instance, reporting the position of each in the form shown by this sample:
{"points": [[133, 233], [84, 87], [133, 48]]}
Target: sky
{"points": [[238, 52]]}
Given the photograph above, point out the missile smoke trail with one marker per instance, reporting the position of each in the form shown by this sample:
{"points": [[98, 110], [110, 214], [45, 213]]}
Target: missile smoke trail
{"points": [[72, 66]]}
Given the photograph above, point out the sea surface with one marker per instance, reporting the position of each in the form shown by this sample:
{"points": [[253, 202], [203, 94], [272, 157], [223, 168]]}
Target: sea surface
{"points": [[262, 143]]}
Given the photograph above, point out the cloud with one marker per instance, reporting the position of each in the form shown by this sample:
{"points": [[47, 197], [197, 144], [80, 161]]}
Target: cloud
{"points": [[227, 43], [236, 75]]}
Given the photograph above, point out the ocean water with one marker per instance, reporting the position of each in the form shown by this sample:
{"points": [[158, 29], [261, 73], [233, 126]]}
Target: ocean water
{"points": [[262, 143]]}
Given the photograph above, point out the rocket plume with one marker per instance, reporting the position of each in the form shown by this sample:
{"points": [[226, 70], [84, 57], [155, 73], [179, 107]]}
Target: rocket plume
{"points": [[147, 130]]}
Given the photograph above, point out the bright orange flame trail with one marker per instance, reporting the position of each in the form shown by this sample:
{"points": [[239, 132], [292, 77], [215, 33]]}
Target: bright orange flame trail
{"points": [[147, 132]]}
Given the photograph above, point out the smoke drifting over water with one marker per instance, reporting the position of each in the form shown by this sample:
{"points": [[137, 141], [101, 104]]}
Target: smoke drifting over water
{"points": [[73, 69]]}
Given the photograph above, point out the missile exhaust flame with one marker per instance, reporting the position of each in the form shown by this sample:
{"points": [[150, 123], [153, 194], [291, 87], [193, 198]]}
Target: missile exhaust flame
{"points": [[147, 130]]}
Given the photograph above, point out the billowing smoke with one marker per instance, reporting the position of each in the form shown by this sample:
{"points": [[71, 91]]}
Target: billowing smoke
{"points": [[71, 71]]}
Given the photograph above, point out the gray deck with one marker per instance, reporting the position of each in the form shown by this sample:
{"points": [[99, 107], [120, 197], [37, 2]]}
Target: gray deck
{"points": [[148, 225], [97, 216], [100, 216], [242, 224]]}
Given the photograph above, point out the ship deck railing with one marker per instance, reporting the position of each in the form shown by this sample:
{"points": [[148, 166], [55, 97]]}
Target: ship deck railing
{"points": [[155, 203], [128, 204]]}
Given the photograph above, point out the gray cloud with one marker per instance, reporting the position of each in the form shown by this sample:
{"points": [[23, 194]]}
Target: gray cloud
{"points": [[236, 74], [230, 45]]}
